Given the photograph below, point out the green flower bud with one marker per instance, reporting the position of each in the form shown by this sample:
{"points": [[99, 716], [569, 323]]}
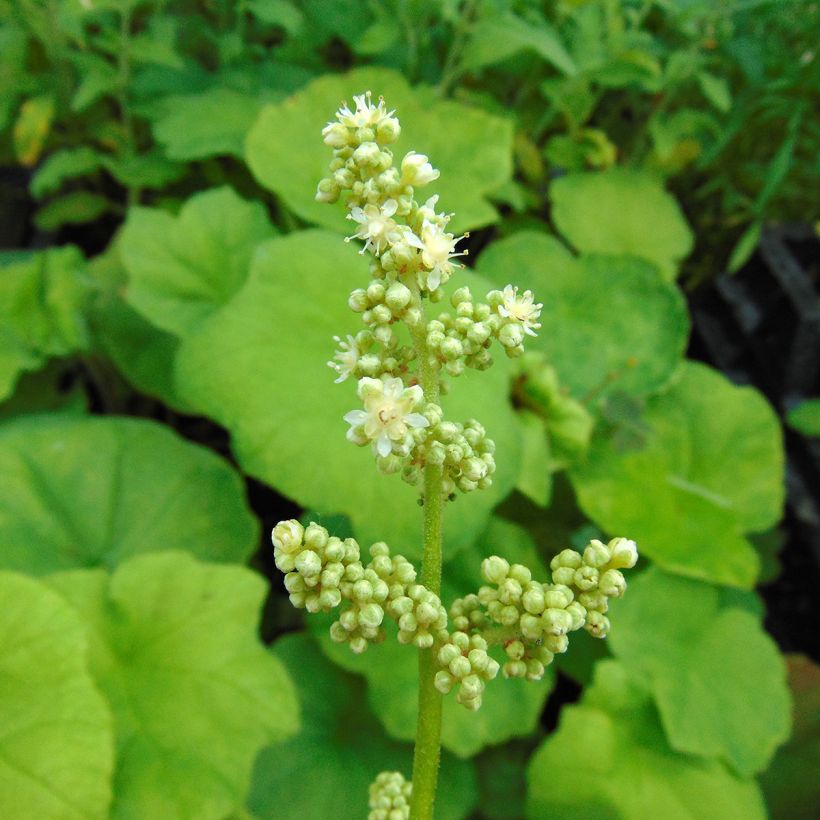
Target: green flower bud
{"points": [[327, 191], [624, 553], [515, 650], [451, 348], [308, 563], [597, 624], [596, 554], [367, 154], [358, 301], [586, 578], [443, 681], [287, 535], [388, 130], [494, 569], [520, 573], [511, 336], [556, 621], [559, 597], [316, 537], [566, 558], [531, 626], [563, 575], [556, 644], [398, 296], [533, 599], [371, 615], [612, 583]]}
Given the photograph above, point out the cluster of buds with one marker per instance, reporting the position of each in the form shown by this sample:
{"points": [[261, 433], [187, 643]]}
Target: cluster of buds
{"points": [[390, 797], [532, 620], [464, 661], [595, 577], [464, 340], [463, 450], [322, 572], [528, 619]]}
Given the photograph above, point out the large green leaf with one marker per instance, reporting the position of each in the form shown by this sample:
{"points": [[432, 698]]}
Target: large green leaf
{"points": [[510, 708], [471, 148], [89, 492], [42, 300], [326, 769], [213, 122], [710, 471], [717, 677], [609, 759], [194, 693], [271, 387], [622, 211], [56, 737], [607, 322], [182, 268]]}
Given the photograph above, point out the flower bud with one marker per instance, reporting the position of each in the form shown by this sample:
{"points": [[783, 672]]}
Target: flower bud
{"points": [[327, 191], [612, 583], [494, 569], [511, 335], [367, 154], [358, 301], [416, 170], [398, 296], [371, 615], [596, 554], [287, 535], [308, 563], [624, 553], [388, 130]]}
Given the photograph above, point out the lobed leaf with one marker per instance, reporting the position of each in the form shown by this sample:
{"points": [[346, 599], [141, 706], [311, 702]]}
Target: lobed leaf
{"points": [[91, 492], [193, 691]]}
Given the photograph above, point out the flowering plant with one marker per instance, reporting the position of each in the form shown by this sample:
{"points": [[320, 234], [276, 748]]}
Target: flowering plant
{"points": [[400, 386]]}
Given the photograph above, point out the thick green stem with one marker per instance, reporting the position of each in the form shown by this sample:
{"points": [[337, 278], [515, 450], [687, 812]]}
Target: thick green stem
{"points": [[428, 727]]}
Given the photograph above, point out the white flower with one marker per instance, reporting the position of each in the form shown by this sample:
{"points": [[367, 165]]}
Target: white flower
{"points": [[437, 249], [416, 170], [347, 357], [387, 414], [366, 114], [375, 226], [520, 309]]}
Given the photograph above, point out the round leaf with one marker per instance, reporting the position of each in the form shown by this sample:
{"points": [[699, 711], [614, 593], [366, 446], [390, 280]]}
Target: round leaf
{"points": [[609, 759], [717, 677], [271, 387], [181, 268], [608, 323], [56, 741], [193, 691], [471, 148], [87, 492], [622, 211], [710, 470]]}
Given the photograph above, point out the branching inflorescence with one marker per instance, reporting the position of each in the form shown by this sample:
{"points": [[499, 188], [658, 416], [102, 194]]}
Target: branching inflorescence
{"points": [[412, 256]]}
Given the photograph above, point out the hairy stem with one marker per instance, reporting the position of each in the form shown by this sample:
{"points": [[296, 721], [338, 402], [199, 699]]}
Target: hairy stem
{"points": [[428, 728]]}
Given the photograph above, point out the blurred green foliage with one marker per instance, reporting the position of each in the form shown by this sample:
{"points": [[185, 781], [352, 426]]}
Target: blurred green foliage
{"points": [[604, 149]]}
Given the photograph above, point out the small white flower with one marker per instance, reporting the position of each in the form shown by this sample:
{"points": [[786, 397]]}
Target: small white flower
{"points": [[387, 415], [521, 309], [375, 226], [437, 249], [347, 357], [416, 170], [366, 114]]}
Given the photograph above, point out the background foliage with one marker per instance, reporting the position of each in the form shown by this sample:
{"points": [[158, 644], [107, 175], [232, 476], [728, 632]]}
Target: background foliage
{"points": [[165, 319]]}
